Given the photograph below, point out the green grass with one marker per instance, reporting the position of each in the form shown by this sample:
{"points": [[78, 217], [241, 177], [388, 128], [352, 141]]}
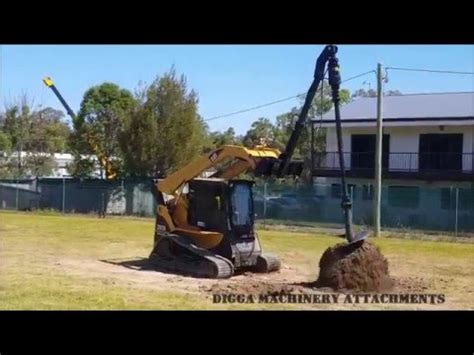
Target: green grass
{"points": [[58, 292], [50, 261]]}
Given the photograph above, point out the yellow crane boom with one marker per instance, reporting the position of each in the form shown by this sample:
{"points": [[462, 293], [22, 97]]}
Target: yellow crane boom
{"points": [[104, 161]]}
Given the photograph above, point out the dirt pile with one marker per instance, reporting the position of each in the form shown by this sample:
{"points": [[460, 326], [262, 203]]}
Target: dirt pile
{"points": [[356, 267]]}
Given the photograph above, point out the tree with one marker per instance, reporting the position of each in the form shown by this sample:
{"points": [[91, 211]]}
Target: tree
{"points": [[373, 93], [30, 136], [39, 164], [364, 93], [81, 167], [16, 122], [322, 103], [5, 149], [48, 131], [5, 143], [284, 126], [262, 132], [224, 138], [285, 123], [164, 132], [393, 93], [99, 125]]}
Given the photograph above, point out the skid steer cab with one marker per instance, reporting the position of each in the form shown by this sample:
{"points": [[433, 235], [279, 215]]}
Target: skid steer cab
{"points": [[208, 230]]}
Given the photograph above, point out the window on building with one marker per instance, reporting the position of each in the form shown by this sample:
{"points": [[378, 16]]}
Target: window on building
{"points": [[404, 196], [440, 151], [363, 151]]}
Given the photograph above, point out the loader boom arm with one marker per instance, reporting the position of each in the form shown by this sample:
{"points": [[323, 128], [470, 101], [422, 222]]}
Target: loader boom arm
{"points": [[241, 159]]}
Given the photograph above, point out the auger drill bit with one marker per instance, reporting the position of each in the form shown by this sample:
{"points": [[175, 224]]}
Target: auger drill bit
{"points": [[346, 204]]}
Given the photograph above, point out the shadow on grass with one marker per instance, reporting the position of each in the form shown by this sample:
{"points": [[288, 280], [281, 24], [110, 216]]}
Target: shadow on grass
{"points": [[134, 264], [145, 264]]}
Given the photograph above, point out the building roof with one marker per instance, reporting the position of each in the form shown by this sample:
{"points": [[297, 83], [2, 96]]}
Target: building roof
{"points": [[410, 107]]}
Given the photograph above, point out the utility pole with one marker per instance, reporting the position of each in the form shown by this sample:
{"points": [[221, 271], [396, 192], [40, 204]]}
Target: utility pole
{"points": [[378, 153]]}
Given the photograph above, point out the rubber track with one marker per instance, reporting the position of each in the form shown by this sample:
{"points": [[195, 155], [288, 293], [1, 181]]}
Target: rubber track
{"points": [[196, 262]]}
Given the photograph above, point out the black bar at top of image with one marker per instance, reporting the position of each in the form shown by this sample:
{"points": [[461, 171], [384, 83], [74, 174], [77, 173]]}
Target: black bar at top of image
{"points": [[239, 24]]}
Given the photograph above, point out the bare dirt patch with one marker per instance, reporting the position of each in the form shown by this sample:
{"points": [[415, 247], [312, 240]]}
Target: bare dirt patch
{"points": [[137, 273], [411, 285], [133, 273]]}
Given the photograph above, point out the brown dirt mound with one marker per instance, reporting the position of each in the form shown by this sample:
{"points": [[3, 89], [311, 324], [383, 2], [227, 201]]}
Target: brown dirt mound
{"points": [[356, 267]]}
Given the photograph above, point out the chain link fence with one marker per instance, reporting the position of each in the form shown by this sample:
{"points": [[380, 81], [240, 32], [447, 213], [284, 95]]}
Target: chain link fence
{"points": [[90, 196], [446, 209]]}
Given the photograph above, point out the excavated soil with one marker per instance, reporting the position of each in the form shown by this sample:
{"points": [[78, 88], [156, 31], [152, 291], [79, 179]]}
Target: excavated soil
{"points": [[355, 267]]}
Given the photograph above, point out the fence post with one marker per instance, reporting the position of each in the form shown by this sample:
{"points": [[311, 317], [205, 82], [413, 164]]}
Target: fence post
{"points": [[18, 173], [456, 213], [122, 196], [16, 196], [102, 214], [64, 194], [312, 147], [264, 205]]}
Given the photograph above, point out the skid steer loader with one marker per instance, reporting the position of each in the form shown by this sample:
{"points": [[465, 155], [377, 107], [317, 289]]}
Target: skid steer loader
{"points": [[205, 226]]}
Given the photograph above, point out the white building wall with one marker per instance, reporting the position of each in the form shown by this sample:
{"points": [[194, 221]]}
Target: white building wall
{"points": [[61, 160], [403, 140], [332, 160], [467, 161]]}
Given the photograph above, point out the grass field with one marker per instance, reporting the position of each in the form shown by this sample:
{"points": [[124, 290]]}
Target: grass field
{"points": [[69, 262]]}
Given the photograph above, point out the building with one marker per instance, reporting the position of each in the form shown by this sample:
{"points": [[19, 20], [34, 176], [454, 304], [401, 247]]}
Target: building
{"points": [[62, 160], [427, 160]]}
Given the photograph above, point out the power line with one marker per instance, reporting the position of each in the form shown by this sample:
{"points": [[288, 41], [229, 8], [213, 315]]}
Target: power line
{"points": [[358, 76], [253, 108], [431, 70], [277, 101]]}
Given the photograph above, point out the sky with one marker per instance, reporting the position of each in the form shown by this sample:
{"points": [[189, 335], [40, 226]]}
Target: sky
{"points": [[227, 78]]}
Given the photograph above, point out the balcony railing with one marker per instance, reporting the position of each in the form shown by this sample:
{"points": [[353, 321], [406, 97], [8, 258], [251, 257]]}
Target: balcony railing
{"points": [[435, 165]]}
